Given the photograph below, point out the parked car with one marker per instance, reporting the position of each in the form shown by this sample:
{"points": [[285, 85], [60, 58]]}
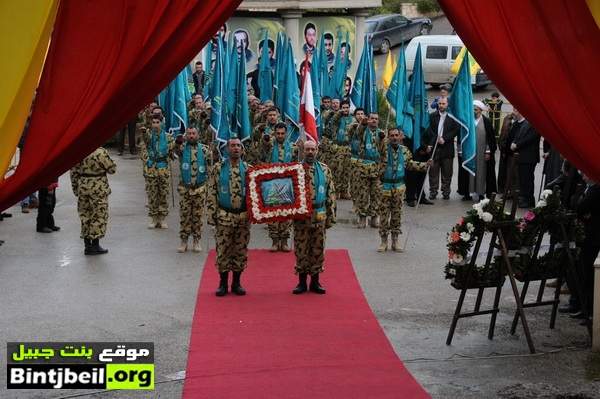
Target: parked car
{"points": [[387, 31], [438, 53]]}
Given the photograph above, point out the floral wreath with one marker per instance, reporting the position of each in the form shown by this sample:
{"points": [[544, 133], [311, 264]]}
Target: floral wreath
{"points": [[300, 208], [465, 232]]}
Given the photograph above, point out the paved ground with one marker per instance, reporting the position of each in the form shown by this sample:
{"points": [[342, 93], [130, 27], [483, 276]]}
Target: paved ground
{"points": [[143, 290]]}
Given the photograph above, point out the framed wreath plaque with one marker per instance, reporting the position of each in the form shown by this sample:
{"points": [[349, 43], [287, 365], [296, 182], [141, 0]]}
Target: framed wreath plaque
{"points": [[278, 192]]}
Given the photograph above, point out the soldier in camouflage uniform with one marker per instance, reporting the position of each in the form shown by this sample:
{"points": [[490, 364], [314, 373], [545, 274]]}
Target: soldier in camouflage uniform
{"points": [[261, 130], [309, 235], [227, 212], [159, 146], [359, 114], [368, 136], [340, 164], [277, 148], [395, 159], [199, 117], [90, 186], [325, 154], [146, 125], [193, 164]]}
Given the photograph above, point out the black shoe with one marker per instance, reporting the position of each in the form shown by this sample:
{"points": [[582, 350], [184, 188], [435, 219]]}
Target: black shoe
{"points": [[467, 198], [432, 197], [446, 196], [54, 228], [222, 290], [301, 287], [95, 248], [44, 230], [236, 287], [88, 243], [585, 322], [577, 316], [425, 201], [568, 309], [315, 286], [412, 203]]}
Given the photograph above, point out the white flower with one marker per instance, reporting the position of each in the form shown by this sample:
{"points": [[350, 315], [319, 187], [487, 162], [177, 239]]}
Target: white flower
{"points": [[477, 207], [484, 202], [546, 194], [487, 217], [470, 227], [465, 236], [541, 204], [450, 241], [457, 259]]}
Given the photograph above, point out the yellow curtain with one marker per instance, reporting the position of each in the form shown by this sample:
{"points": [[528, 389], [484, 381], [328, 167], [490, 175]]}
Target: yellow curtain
{"points": [[25, 28], [594, 6]]}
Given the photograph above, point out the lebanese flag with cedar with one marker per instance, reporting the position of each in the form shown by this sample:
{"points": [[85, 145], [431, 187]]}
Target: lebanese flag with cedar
{"points": [[307, 105]]}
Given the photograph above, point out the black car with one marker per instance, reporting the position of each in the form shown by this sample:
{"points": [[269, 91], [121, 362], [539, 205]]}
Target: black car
{"points": [[390, 30]]}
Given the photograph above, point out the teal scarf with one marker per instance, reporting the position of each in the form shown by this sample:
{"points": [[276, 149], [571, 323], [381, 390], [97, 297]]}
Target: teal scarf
{"points": [[320, 187], [287, 152], [186, 165], [158, 150], [393, 177], [224, 191], [371, 153], [341, 137]]}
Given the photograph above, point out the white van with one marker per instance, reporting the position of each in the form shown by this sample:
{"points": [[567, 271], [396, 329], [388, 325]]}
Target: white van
{"points": [[438, 53]]}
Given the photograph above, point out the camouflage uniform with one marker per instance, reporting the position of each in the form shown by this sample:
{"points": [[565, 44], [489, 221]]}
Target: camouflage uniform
{"points": [[232, 226], [368, 193], [390, 211], [90, 186], [325, 154], [158, 179], [278, 231], [192, 196], [309, 235], [340, 165], [200, 119], [254, 153]]}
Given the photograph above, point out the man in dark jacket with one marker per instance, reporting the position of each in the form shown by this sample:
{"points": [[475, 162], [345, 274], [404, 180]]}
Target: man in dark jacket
{"points": [[525, 141], [442, 129], [198, 77]]}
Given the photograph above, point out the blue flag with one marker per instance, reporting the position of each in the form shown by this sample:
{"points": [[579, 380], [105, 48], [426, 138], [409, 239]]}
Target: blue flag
{"points": [[291, 94], [364, 89], [397, 96], [418, 99], [265, 76], [460, 108], [280, 70], [174, 99], [218, 118], [323, 70], [208, 67], [240, 114], [338, 78]]}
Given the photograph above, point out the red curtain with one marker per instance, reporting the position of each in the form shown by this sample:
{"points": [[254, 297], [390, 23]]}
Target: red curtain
{"points": [[544, 56], [106, 61]]}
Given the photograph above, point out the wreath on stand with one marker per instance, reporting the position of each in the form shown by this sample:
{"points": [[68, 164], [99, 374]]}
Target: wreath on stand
{"points": [[547, 216], [460, 242]]}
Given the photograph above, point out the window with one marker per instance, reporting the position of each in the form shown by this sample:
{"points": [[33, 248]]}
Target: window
{"points": [[455, 51], [371, 25], [400, 20], [436, 52], [387, 24]]}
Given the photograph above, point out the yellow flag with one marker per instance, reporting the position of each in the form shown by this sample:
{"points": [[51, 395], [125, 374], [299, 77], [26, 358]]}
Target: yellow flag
{"points": [[388, 71], [594, 6], [456, 66], [25, 28]]}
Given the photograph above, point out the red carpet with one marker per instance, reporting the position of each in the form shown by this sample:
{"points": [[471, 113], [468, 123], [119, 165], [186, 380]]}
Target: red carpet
{"points": [[272, 344]]}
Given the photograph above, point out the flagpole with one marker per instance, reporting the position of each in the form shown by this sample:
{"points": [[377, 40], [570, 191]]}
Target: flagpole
{"points": [[420, 194]]}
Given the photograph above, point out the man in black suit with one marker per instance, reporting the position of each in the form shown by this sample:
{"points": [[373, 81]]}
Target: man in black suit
{"points": [[588, 212], [525, 141], [198, 77], [442, 129]]}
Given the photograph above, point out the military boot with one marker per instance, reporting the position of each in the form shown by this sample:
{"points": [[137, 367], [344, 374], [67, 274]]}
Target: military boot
{"points": [[222, 290], [301, 287], [88, 243], [314, 284], [275, 246], [95, 248], [161, 223], [283, 245], [383, 246], [152, 223], [396, 244], [197, 247], [375, 221], [183, 246], [236, 286], [362, 222]]}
